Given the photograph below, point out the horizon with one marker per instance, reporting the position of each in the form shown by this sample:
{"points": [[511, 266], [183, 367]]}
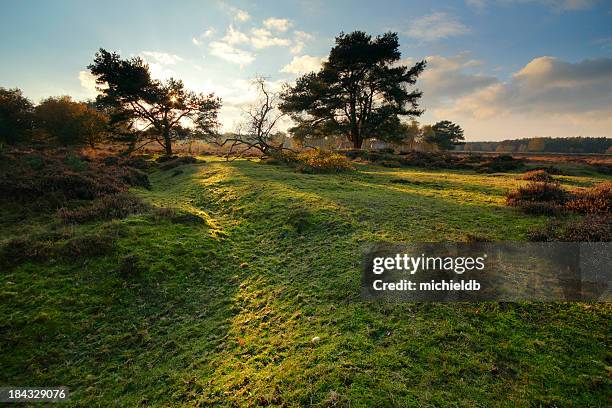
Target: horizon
{"points": [[503, 70]]}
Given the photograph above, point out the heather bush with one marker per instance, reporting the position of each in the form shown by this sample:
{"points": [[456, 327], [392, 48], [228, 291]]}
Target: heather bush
{"points": [[595, 200], [106, 208], [537, 175], [313, 161], [538, 198], [591, 228]]}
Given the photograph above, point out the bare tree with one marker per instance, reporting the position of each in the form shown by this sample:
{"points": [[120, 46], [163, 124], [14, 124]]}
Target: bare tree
{"points": [[257, 130]]}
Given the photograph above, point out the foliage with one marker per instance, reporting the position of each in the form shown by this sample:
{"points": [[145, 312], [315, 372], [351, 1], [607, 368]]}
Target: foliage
{"points": [[360, 92], [591, 228], [132, 97], [67, 122], [313, 161], [16, 116], [108, 207], [445, 135], [50, 178], [595, 200], [537, 175], [538, 198]]}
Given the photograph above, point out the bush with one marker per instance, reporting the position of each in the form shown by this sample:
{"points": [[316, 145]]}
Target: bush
{"points": [[595, 200], [592, 228], [314, 161], [537, 175], [536, 191], [107, 208], [178, 161], [54, 178], [538, 198], [501, 163]]}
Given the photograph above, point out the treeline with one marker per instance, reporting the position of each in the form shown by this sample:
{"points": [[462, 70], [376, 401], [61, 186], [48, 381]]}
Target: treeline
{"points": [[579, 144]]}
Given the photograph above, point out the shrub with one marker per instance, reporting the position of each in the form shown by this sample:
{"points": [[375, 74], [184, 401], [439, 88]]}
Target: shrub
{"points": [[595, 200], [179, 161], [106, 208], [501, 163], [538, 198], [591, 228], [54, 178], [316, 161], [537, 175], [556, 171], [536, 191]]}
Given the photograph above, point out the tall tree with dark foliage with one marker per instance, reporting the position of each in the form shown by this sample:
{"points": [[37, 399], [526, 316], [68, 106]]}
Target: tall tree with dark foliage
{"points": [[360, 92], [445, 135], [144, 109], [16, 116]]}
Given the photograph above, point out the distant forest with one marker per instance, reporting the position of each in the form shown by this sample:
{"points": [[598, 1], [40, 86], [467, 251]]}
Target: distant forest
{"points": [[543, 145]]}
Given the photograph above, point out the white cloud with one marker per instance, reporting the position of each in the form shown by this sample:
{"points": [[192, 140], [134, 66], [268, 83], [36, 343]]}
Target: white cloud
{"points": [[299, 40], [234, 36], [162, 57], [258, 38], [447, 78], [277, 24], [262, 38], [436, 26], [303, 64], [88, 82], [241, 15], [231, 54], [206, 34]]}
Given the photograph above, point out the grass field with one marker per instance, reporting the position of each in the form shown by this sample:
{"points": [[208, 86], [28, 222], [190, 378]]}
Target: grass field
{"points": [[224, 312]]}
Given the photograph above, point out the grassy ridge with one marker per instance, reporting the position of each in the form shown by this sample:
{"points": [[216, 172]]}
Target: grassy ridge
{"points": [[225, 313]]}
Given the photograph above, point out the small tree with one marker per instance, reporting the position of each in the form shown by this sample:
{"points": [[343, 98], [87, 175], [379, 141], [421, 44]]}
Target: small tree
{"points": [[258, 129], [147, 110], [360, 92], [16, 116], [444, 135], [68, 122]]}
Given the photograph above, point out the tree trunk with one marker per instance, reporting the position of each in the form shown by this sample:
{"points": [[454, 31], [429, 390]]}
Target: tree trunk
{"points": [[167, 142]]}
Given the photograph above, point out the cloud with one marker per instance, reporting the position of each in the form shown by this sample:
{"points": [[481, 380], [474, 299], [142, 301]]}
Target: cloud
{"points": [[199, 39], [303, 64], [229, 53], [299, 40], [234, 36], [436, 26], [447, 78], [162, 57], [262, 38], [259, 38], [88, 82], [546, 97], [277, 24], [241, 15]]}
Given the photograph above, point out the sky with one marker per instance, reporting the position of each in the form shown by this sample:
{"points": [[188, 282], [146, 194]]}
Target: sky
{"points": [[502, 69]]}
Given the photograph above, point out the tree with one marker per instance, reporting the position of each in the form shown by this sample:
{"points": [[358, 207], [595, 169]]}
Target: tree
{"points": [[444, 135], [257, 130], [144, 108], [16, 117], [360, 91], [68, 122]]}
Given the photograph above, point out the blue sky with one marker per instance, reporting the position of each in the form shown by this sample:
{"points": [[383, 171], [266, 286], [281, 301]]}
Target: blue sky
{"points": [[500, 68]]}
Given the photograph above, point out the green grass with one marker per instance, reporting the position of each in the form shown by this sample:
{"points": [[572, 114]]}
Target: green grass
{"points": [[224, 313]]}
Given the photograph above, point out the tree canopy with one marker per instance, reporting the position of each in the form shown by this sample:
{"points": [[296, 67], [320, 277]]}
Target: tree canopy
{"points": [[67, 122], [16, 116], [445, 135], [142, 108], [360, 92]]}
